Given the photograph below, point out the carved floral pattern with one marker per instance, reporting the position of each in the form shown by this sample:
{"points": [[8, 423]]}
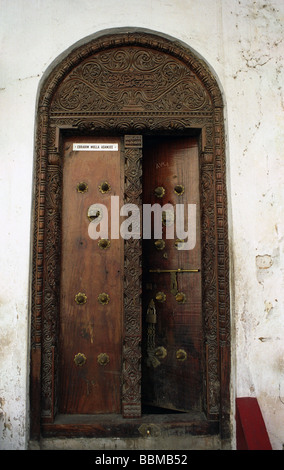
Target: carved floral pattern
{"points": [[131, 79]]}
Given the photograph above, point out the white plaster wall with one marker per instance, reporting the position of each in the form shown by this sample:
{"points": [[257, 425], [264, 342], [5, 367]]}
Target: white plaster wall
{"points": [[242, 41]]}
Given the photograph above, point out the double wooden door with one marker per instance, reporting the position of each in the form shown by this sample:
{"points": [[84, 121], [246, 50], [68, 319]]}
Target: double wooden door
{"points": [[92, 278]]}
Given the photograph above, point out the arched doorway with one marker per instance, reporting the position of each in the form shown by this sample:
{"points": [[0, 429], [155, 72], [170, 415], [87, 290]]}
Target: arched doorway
{"points": [[101, 112]]}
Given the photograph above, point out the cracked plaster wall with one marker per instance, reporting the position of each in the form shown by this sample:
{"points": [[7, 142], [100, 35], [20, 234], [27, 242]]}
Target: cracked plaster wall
{"points": [[242, 41]]}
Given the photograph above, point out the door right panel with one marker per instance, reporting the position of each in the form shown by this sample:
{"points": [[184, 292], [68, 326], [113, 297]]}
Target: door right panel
{"points": [[172, 308]]}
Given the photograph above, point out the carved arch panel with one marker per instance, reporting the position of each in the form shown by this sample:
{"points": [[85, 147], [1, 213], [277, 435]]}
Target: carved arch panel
{"points": [[117, 84]]}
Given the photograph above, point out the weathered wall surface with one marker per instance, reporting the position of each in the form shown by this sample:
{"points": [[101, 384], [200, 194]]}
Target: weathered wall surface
{"points": [[242, 41]]}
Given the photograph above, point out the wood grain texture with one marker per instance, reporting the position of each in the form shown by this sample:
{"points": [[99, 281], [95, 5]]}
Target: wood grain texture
{"points": [[91, 328]]}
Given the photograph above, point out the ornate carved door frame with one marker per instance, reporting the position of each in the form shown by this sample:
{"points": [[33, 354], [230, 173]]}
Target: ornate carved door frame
{"points": [[130, 83]]}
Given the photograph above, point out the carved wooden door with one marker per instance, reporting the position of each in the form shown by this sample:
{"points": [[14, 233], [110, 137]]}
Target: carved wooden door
{"points": [[92, 310], [172, 315], [91, 280]]}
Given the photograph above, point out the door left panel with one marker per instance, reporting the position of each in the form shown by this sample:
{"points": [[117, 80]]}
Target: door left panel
{"points": [[91, 285]]}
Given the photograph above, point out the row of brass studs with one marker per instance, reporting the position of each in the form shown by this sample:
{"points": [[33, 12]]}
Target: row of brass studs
{"points": [[160, 244], [103, 358], [80, 359], [160, 191], [180, 297], [104, 187], [81, 298], [161, 353]]}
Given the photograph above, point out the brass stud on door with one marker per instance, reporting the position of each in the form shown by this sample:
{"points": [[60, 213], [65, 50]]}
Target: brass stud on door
{"points": [[80, 359], [160, 297], [180, 297], [179, 189], [103, 359], [104, 243], [159, 191], [104, 187], [103, 298], [80, 298], [159, 244], [82, 187], [179, 244], [181, 355], [160, 352]]}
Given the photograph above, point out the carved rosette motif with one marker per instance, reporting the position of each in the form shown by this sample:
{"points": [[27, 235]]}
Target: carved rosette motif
{"points": [[130, 83]]}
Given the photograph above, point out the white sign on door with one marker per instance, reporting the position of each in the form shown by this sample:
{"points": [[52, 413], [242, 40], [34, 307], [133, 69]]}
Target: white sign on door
{"points": [[96, 147]]}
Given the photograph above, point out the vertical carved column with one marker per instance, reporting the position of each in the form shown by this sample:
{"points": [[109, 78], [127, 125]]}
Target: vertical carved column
{"points": [[37, 276], [131, 386], [223, 270], [210, 275], [51, 283]]}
